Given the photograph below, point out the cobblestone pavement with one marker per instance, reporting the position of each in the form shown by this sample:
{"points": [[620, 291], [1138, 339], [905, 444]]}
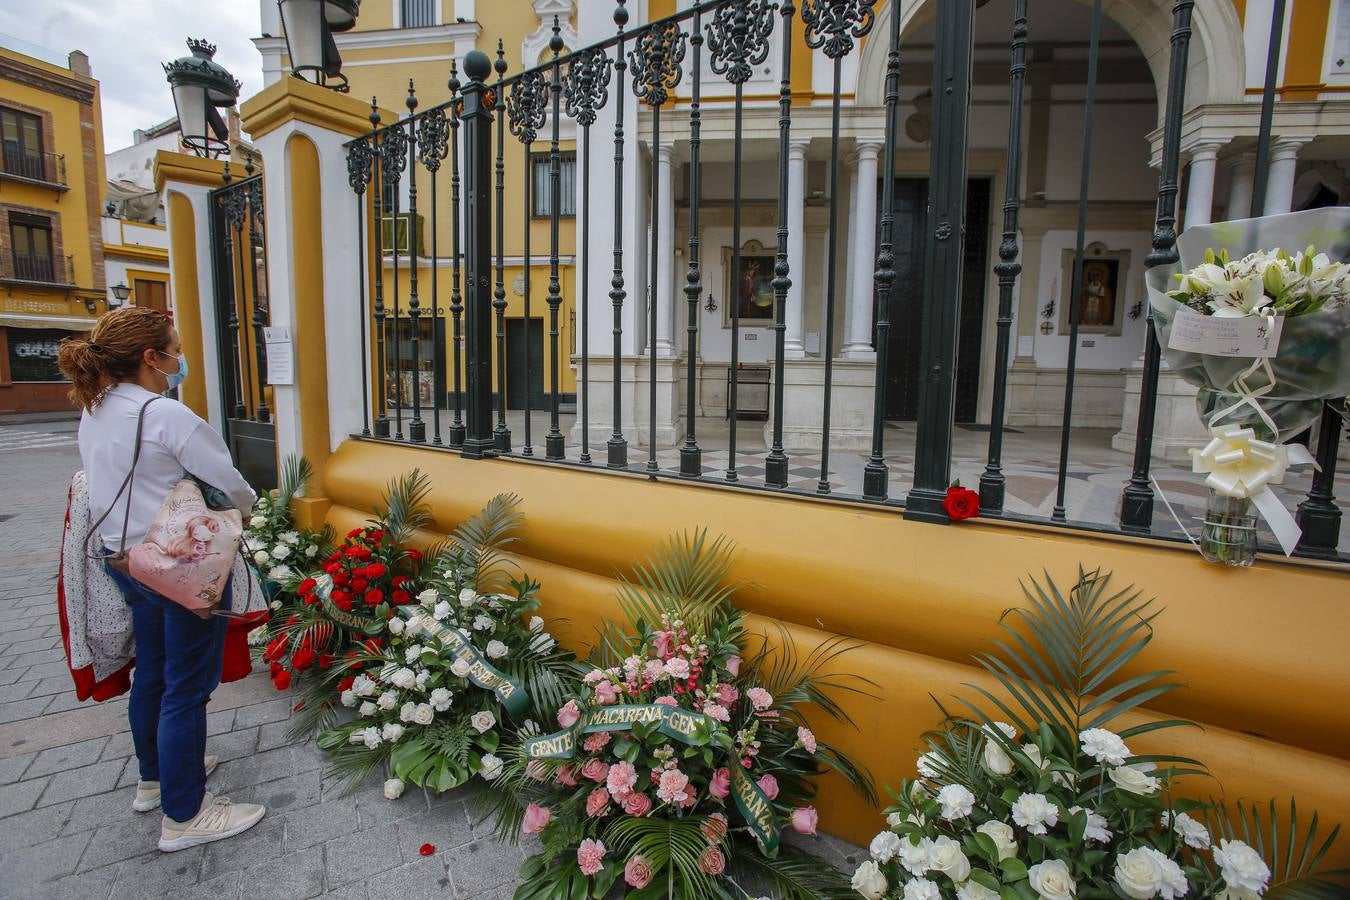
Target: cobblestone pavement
{"points": [[67, 772]]}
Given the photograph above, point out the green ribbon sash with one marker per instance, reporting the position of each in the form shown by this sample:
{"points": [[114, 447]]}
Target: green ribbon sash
{"points": [[481, 672], [324, 590], [680, 724]]}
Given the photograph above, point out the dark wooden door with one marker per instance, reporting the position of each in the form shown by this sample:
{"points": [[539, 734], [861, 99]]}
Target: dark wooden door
{"points": [[515, 363], [911, 229]]}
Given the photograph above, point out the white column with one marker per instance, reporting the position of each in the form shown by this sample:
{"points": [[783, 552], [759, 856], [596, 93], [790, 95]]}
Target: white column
{"points": [[665, 248], [1280, 186], [1200, 196], [861, 254], [794, 338], [1243, 170]]}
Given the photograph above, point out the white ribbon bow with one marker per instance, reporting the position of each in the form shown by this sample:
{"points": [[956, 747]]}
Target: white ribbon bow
{"points": [[1241, 465]]}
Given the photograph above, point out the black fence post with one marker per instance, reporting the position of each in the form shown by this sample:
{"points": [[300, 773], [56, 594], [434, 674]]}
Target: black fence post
{"points": [[477, 171], [943, 259]]}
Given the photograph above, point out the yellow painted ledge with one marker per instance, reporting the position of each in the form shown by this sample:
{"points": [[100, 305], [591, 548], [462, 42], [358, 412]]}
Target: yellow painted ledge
{"points": [[1260, 650], [294, 99], [183, 168]]}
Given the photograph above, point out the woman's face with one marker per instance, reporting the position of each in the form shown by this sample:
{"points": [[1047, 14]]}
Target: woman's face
{"points": [[164, 361]]}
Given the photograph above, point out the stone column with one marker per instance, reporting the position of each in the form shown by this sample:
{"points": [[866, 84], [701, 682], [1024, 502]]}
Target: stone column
{"points": [[665, 244], [1283, 163], [862, 254], [794, 339], [1243, 171], [1200, 195]]}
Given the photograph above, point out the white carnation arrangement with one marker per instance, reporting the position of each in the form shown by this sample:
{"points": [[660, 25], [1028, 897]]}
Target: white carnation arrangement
{"points": [[1054, 804], [282, 553]]}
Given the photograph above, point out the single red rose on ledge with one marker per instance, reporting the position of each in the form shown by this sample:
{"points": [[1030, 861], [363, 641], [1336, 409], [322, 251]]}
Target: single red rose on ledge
{"points": [[961, 503]]}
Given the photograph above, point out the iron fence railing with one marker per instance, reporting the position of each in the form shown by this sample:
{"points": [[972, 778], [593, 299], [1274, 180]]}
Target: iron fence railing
{"points": [[34, 165], [41, 269], [699, 57], [239, 260]]}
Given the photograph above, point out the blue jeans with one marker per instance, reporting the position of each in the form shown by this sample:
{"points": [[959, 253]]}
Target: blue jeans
{"points": [[178, 661]]}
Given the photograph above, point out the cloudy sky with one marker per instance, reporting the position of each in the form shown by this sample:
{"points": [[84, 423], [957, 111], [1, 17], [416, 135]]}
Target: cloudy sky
{"points": [[128, 39]]}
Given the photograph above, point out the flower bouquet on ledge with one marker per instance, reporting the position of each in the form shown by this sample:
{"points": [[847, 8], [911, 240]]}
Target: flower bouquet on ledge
{"points": [[278, 549], [345, 604], [457, 663], [1040, 799], [683, 755], [1264, 333]]}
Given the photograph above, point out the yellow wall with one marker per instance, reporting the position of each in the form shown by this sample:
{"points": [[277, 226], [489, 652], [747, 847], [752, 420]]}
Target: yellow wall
{"points": [[1262, 651], [188, 308], [80, 207]]}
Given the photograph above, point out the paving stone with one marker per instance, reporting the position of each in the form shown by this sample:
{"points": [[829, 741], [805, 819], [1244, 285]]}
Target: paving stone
{"points": [[447, 828], [81, 886], [136, 835], [233, 745], [17, 690], [261, 767], [63, 759], [295, 793], [274, 734], [277, 710], [96, 779], [42, 862], [27, 829], [21, 796], [375, 809], [119, 746], [59, 684], [424, 879], [353, 891], [64, 702], [219, 722], [222, 887], [9, 676], [40, 645], [319, 824], [361, 855], [101, 809], [481, 867], [47, 670], [131, 773], [158, 874], [12, 768], [288, 877], [259, 844], [23, 709], [32, 632]]}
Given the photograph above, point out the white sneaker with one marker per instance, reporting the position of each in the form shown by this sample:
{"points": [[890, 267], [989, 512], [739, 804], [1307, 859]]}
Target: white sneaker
{"points": [[147, 792], [217, 819]]}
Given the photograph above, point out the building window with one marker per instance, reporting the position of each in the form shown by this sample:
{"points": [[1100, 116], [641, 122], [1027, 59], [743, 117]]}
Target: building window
{"points": [[32, 354], [21, 134], [417, 13], [31, 246], [541, 207], [151, 294]]}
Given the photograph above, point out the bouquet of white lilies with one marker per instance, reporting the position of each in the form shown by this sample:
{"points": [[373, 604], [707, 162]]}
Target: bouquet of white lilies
{"points": [[1264, 333]]}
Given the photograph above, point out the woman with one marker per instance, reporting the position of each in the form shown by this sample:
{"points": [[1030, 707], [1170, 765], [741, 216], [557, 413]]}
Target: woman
{"points": [[131, 357]]}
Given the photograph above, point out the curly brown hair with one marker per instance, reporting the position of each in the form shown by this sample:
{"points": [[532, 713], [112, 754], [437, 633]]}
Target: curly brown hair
{"points": [[112, 352]]}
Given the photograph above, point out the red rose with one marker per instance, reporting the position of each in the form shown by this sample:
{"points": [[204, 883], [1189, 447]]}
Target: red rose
{"points": [[306, 587], [400, 580], [325, 660], [353, 552], [376, 536], [961, 503], [344, 602], [274, 669], [401, 598], [353, 533], [362, 553], [346, 683], [359, 585], [339, 595], [427, 849], [302, 659], [415, 555], [372, 644], [275, 649], [374, 597], [310, 599], [342, 579], [293, 619], [332, 568], [376, 570], [282, 680]]}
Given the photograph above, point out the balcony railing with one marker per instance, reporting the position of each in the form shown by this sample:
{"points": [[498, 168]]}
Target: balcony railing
{"points": [[46, 167], [642, 383], [38, 269]]}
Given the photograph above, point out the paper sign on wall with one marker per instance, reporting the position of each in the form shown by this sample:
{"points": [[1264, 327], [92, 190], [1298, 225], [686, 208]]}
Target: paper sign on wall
{"points": [[280, 355], [1248, 336]]}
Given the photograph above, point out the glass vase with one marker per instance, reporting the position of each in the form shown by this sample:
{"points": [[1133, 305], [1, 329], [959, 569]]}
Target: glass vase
{"points": [[1229, 533]]}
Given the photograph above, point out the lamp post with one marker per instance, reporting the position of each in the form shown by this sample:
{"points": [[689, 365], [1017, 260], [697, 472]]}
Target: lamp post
{"points": [[201, 87], [120, 293], [309, 26]]}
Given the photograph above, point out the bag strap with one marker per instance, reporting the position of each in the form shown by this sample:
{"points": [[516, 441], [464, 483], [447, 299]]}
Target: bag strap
{"points": [[125, 488]]}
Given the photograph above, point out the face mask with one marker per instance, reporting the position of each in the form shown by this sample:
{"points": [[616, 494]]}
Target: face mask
{"points": [[178, 377]]}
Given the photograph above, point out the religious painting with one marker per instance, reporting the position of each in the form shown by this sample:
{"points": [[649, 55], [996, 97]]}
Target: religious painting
{"points": [[751, 287], [1101, 300]]}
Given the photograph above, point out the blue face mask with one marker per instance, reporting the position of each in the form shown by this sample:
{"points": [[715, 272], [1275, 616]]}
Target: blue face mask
{"points": [[178, 377]]}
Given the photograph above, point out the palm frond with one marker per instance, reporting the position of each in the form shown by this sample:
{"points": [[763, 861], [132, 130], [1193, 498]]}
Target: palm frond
{"points": [[484, 538], [405, 505], [683, 578], [795, 873], [671, 846], [352, 764], [296, 472], [1293, 857]]}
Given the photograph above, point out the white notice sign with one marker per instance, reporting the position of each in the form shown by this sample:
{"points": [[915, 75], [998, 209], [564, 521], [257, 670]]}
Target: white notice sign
{"points": [[280, 355], [1248, 336]]}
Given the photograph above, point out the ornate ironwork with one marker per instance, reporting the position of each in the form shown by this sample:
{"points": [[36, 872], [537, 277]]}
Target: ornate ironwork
{"points": [[234, 204], [691, 455], [527, 106], [433, 139], [586, 85], [501, 435], [554, 441], [359, 158], [656, 60], [738, 38], [394, 153], [834, 25]]}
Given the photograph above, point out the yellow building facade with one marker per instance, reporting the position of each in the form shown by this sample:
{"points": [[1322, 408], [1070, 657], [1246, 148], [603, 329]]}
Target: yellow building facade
{"points": [[52, 280]]}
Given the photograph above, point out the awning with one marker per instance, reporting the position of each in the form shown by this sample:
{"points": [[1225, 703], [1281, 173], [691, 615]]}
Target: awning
{"points": [[68, 323]]}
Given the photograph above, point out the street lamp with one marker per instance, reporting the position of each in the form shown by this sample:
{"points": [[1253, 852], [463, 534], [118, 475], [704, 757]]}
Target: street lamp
{"points": [[120, 293], [201, 87], [309, 26]]}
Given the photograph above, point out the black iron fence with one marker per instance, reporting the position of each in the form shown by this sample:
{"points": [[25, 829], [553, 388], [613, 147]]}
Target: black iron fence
{"points": [[678, 69], [34, 165], [239, 268]]}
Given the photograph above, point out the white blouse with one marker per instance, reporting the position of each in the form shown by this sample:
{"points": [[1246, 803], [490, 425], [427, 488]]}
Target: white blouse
{"points": [[174, 441]]}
